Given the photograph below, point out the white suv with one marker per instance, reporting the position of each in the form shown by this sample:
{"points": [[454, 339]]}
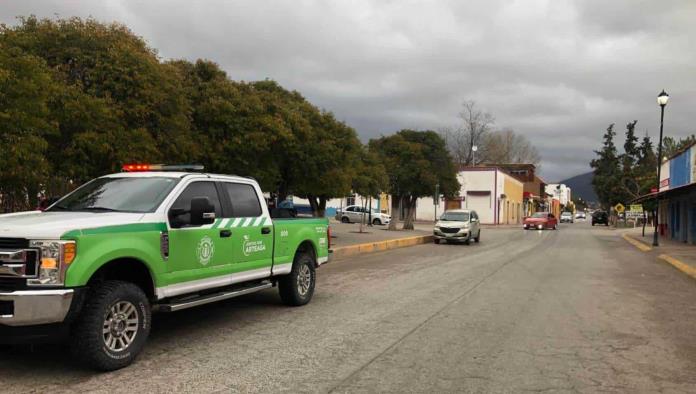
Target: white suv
{"points": [[355, 214]]}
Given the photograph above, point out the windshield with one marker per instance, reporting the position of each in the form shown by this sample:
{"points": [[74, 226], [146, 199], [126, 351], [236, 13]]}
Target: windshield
{"points": [[539, 215], [138, 195], [455, 217]]}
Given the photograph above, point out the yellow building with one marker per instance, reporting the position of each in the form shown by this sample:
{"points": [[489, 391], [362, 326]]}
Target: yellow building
{"points": [[512, 203]]}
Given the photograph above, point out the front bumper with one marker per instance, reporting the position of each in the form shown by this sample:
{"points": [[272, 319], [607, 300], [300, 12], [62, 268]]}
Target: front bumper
{"points": [[538, 226], [461, 235], [35, 307]]}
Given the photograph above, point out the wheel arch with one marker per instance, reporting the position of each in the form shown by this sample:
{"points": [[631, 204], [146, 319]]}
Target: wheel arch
{"points": [[127, 269], [307, 246]]}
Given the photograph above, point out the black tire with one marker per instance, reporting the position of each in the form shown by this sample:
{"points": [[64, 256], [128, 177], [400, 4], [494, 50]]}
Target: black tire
{"points": [[467, 241], [436, 241], [88, 342], [478, 237], [377, 222], [345, 219], [289, 285]]}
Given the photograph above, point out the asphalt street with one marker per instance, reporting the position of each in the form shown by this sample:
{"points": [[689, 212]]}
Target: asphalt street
{"points": [[573, 310]]}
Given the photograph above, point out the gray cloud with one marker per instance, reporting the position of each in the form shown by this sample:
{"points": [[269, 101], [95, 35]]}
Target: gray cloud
{"points": [[557, 71]]}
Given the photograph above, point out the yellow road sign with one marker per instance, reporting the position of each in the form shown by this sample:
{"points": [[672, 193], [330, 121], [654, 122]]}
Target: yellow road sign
{"points": [[636, 208], [619, 207]]}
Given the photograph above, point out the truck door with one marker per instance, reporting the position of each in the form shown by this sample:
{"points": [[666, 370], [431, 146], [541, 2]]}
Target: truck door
{"points": [[195, 251], [251, 243]]}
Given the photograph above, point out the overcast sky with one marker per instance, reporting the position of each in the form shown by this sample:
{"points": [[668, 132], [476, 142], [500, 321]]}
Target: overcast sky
{"points": [[556, 71]]}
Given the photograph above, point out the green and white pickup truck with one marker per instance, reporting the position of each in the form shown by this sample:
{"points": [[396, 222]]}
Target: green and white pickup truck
{"points": [[99, 261]]}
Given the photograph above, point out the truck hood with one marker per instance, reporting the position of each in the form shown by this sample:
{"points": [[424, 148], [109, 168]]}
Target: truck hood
{"points": [[52, 225]]}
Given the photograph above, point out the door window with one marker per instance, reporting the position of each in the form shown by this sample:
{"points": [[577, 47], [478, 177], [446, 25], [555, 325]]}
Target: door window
{"points": [[197, 189], [245, 201]]}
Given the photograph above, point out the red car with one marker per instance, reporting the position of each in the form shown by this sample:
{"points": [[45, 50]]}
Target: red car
{"points": [[540, 221]]}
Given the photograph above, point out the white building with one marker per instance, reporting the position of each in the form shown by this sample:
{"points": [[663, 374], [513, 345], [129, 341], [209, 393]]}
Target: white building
{"points": [[494, 194], [561, 193]]}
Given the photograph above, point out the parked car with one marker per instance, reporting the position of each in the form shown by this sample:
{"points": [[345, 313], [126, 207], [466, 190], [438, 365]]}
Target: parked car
{"points": [[580, 216], [600, 217], [97, 263], [460, 225], [567, 217], [540, 221], [356, 213]]}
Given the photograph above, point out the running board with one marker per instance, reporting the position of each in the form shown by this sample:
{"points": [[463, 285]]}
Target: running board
{"points": [[207, 299]]}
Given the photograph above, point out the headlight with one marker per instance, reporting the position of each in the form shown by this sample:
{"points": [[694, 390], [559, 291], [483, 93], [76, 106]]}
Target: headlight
{"points": [[466, 225], [56, 256]]}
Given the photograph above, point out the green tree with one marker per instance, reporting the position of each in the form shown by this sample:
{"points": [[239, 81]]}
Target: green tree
{"points": [[370, 177], [26, 87], [117, 101], [415, 162], [629, 160], [607, 171]]}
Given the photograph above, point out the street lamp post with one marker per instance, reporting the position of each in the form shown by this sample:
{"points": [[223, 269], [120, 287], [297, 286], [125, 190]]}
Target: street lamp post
{"points": [[662, 99], [473, 155]]}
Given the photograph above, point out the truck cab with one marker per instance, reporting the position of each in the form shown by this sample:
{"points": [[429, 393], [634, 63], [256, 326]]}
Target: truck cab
{"points": [[93, 266]]}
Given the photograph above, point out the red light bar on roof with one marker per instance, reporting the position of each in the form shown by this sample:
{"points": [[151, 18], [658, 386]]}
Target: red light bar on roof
{"points": [[162, 167]]}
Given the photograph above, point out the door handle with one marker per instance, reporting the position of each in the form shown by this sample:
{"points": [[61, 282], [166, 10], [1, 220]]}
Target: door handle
{"points": [[225, 233], [265, 230]]}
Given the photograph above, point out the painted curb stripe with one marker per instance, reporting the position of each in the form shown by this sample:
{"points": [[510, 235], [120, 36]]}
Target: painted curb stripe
{"points": [[678, 264], [643, 247]]}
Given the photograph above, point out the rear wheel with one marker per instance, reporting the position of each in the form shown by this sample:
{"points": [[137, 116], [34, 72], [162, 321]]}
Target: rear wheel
{"points": [[345, 219], [113, 326], [297, 288], [376, 222]]}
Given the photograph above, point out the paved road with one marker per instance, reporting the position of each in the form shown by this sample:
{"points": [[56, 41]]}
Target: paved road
{"points": [[561, 311]]}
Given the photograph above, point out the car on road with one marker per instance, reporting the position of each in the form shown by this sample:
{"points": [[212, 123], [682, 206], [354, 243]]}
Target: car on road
{"points": [[98, 262], [580, 216], [540, 221], [357, 214], [567, 217], [600, 217], [458, 225]]}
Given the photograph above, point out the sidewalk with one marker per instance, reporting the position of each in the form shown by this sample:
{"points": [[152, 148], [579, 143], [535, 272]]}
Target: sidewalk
{"points": [[678, 254], [345, 234]]}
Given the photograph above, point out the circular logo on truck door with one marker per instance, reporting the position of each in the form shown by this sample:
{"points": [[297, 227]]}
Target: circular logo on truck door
{"points": [[205, 250]]}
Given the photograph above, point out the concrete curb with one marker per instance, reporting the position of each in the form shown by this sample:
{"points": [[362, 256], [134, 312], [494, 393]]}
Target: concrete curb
{"points": [[640, 245], [678, 264], [370, 247], [674, 262]]}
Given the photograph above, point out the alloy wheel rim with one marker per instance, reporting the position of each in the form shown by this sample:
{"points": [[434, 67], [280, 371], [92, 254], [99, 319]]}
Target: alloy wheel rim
{"points": [[304, 280], [120, 326]]}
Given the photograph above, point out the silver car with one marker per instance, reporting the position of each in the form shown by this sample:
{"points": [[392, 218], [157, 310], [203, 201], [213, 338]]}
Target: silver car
{"points": [[458, 225]]}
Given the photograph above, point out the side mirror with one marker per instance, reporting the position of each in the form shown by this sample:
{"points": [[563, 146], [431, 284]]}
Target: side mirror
{"points": [[202, 211]]}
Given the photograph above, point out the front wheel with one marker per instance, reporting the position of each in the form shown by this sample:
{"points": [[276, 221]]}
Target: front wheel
{"points": [[376, 222], [478, 237], [345, 220], [297, 288], [113, 326], [436, 241]]}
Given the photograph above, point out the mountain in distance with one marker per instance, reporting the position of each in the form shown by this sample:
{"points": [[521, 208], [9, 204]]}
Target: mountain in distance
{"points": [[581, 186]]}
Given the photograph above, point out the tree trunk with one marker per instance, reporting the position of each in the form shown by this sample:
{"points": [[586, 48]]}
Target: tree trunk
{"points": [[369, 212], [410, 212], [321, 207], [394, 212], [362, 217], [313, 204]]}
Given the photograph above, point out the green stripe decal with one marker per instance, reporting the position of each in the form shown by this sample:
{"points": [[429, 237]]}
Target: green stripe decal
{"points": [[124, 228]]}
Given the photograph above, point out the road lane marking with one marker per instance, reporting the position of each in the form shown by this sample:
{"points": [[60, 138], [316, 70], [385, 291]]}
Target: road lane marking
{"points": [[643, 247]]}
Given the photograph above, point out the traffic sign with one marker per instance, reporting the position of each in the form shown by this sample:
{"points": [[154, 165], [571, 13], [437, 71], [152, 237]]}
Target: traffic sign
{"points": [[619, 208], [636, 208]]}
